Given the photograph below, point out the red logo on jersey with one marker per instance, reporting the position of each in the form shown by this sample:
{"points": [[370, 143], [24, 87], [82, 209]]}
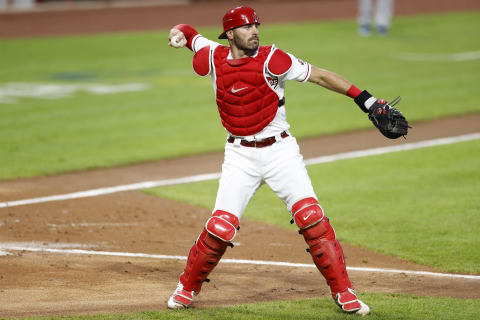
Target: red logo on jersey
{"points": [[273, 82]]}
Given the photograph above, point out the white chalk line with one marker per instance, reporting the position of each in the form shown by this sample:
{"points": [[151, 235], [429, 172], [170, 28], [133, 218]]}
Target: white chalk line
{"points": [[396, 148], [232, 261], [110, 190], [216, 175], [456, 57]]}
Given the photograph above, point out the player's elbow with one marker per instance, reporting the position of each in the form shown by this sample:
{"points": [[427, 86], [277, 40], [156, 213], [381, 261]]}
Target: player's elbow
{"points": [[317, 76]]}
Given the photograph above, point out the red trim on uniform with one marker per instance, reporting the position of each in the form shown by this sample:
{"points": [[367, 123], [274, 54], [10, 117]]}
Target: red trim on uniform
{"points": [[279, 63], [353, 92], [193, 43], [308, 73], [201, 61], [189, 33]]}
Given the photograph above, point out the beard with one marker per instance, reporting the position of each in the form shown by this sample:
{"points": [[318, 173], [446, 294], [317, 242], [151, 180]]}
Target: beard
{"points": [[249, 46]]}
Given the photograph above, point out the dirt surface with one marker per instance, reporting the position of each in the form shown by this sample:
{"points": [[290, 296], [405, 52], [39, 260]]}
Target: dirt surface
{"points": [[45, 283]]}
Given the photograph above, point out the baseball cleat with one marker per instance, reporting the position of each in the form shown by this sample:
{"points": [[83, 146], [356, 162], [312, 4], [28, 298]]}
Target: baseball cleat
{"points": [[180, 299], [348, 301], [364, 30]]}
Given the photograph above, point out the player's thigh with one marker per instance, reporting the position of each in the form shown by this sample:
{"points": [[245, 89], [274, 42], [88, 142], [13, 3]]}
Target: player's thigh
{"points": [[239, 181], [287, 175]]}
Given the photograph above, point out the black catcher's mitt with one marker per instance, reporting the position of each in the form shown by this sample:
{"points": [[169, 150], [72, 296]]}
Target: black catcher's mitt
{"points": [[390, 121]]}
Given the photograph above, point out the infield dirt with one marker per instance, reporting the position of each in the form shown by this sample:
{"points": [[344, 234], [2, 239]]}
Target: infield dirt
{"points": [[41, 283]]}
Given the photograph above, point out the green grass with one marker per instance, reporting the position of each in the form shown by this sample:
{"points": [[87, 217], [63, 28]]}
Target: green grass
{"points": [[384, 306], [177, 115], [420, 205]]}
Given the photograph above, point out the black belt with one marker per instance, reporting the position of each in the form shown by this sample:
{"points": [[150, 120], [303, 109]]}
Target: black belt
{"points": [[258, 143], [281, 102]]}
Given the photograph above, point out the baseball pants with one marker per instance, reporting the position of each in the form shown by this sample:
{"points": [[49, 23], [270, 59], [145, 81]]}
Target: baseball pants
{"points": [[245, 169]]}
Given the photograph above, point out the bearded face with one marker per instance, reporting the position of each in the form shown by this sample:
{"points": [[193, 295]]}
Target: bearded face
{"points": [[246, 38]]}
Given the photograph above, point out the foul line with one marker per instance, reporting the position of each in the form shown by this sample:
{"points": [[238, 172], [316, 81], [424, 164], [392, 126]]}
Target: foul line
{"points": [[232, 261], [216, 175]]}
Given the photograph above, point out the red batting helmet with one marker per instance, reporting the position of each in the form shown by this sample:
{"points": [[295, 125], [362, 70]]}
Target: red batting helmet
{"points": [[238, 17]]}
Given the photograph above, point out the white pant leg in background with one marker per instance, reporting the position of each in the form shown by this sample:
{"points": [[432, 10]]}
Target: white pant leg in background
{"points": [[3, 5], [365, 12], [384, 13]]}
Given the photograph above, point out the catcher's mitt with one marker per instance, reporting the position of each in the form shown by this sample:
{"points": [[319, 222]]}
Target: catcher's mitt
{"points": [[390, 121]]}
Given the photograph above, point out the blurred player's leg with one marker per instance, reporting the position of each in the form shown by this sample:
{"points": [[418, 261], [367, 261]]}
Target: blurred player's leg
{"points": [[383, 16], [364, 17]]}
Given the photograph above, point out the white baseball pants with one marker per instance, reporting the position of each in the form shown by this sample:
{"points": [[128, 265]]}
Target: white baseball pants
{"points": [[245, 169], [383, 12]]}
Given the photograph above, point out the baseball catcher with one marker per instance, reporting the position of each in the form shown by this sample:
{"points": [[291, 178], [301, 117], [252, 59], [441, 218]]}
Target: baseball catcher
{"points": [[249, 84]]}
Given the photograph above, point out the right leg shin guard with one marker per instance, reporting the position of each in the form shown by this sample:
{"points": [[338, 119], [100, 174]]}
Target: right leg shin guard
{"points": [[208, 249]]}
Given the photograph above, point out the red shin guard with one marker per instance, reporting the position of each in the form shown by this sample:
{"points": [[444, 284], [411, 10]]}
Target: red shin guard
{"points": [[325, 249], [208, 249]]}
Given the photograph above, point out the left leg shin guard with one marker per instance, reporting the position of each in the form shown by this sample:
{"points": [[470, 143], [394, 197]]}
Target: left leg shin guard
{"points": [[325, 249]]}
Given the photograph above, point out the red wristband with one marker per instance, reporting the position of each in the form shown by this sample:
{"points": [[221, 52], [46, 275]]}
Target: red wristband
{"points": [[353, 92], [189, 33]]}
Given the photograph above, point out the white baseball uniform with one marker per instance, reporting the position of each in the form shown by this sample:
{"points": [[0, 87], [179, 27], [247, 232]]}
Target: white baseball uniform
{"points": [[280, 165]]}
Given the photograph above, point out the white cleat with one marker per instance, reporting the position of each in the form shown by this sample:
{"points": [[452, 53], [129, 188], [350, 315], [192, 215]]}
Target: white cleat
{"points": [[364, 310], [180, 299], [172, 304], [348, 301]]}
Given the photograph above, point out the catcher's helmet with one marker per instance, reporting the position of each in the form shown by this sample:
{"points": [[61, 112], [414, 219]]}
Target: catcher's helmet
{"points": [[238, 17]]}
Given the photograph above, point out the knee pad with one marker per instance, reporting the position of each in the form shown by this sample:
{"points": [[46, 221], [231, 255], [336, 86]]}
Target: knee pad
{"points": [[310, 218], [222, 225], [307, 213]]}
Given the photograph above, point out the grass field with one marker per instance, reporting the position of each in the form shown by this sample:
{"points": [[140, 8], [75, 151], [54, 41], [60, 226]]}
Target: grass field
{"points": [[84, 130], [392, 307]]}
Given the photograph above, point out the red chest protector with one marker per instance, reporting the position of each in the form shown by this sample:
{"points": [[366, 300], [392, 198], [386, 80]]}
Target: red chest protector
{"points": [[246, 102]]}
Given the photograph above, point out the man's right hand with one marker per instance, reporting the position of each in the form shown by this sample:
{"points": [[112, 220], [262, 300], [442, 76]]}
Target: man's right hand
{"points": [[176, 39]]}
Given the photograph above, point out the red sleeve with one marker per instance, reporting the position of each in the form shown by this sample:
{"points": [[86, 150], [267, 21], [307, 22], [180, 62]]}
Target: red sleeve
{"points": [[189, 33], [201, 61], [279, 63]]}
